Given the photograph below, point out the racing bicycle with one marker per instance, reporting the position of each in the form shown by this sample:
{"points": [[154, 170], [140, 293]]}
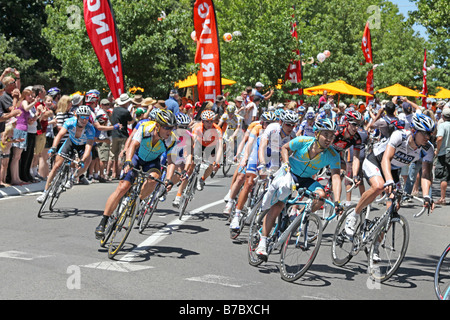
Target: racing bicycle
{"points": [[442, 276]]}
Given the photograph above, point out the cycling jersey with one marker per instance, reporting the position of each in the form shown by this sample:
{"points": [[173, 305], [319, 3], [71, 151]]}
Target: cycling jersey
{"points": [[274, 142], [208, 138], [404, 154], [307, 129], [148, 150], [303, 166], [88, 133], [340, 143], [183, 145], [231, 123]]}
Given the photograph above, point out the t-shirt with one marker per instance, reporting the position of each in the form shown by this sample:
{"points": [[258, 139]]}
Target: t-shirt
{"points": [[6, 101], [123, 116], [443, 131], [303, 166]]}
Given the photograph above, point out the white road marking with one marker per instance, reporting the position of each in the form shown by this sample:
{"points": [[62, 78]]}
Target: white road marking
{"points": [[19, 255], [164, 232], [116, 266], [221, 280]]}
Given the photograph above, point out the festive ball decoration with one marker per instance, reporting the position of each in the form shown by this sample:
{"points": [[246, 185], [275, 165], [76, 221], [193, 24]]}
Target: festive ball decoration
{"points": [[227, 37], [310, 60], [237, 34], [194, 35], [321, 57], [327, 53]]}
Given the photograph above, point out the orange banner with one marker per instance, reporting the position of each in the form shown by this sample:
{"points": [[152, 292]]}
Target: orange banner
{"points": [[366, 46], [208, 51]]}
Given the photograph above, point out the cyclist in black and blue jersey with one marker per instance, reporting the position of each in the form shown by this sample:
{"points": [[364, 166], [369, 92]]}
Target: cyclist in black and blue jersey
{"points": [[81, 139], [151, 140], [304, 157]]}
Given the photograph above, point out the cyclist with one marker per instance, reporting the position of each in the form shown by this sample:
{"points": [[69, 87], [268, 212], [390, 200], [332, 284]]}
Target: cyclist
{"points": [[249, 160], [81, 139], [307, 126], [267, 156], [182, 154], [304, 157], [381, 166], [208, 136], [151, 140]]}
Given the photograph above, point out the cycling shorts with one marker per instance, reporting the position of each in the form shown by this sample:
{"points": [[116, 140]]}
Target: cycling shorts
{"points": [[138, 163]]}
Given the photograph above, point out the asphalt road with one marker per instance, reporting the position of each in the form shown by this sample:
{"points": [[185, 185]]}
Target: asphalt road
{"points": [[58, 257]]}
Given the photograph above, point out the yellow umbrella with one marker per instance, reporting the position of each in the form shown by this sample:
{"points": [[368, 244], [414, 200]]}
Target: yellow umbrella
{"points": [[336, 87], [443, 94], [191, 81], [399, 90]]}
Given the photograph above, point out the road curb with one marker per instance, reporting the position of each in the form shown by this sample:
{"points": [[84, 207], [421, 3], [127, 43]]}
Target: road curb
{"points": [[20, 190]]}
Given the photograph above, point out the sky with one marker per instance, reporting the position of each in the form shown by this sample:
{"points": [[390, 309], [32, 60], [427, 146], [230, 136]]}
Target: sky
{"points": [[404, 6]]}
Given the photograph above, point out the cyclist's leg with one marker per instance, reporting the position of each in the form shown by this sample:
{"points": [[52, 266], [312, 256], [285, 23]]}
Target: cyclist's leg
{"points": [[268, 223], [149, 185]]}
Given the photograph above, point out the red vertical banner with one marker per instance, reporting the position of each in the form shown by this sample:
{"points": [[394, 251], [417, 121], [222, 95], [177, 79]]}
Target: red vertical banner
{"points": [[366, 46], [294, 71], [209, 79], [102, 31], [424, 88]]}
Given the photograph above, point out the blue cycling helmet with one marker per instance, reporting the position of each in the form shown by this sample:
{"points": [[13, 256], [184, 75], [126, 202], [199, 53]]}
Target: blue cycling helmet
{"points": [[279, 113], [53, 91], [421, 122], [324, 125], [183, 119]]}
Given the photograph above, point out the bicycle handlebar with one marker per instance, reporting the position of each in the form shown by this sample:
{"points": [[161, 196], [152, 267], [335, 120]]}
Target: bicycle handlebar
{"points": [[404, 194]]}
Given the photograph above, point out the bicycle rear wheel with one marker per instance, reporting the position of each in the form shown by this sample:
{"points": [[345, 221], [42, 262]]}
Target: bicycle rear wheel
{"points": [[342, 245], [300, 248], [226, 166], [110, 226], [123, 227], [388, 248], [442, 276], [254, 236]]}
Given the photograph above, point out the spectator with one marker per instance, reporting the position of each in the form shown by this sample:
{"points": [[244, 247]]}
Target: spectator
{"points": [[218, 106], [6, 139], [122, 116], [324, 97], [77, 100], [63, 113], [442, 152], [25, 104], [10, 94], [266, 96], [172, 102]]}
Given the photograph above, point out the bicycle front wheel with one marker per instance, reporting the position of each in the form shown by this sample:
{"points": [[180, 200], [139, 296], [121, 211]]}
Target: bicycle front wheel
{"points": [[342, 244], [254, 236], [442, 276], [300, 248], [188, 193], [123, 227], [57, 186], [388, 248]]}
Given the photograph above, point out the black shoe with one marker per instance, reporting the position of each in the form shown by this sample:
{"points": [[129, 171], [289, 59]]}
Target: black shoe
{"points": [[100, 232]]}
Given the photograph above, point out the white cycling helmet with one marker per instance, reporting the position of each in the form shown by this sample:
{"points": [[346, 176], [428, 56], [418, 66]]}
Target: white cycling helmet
{"points": [[83, 111], [324, 125], [421, 122], [290, 117]]}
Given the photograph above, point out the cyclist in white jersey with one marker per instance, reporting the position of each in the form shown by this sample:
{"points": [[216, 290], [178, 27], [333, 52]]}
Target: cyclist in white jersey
{"points": [[307, 126], [381, 166]]}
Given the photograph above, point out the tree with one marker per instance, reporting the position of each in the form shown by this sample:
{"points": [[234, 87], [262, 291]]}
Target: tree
{"points": [[153, 50]]}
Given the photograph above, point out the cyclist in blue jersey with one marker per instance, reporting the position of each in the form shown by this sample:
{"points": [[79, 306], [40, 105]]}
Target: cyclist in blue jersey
{"points": [[81, 139], [304, 157], [151, 140]]}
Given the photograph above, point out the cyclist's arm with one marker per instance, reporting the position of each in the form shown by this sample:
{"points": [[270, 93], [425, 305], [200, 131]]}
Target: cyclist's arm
{"points": [[427, 173], [336, 184], [134, 145], [58, 137], [219, 151], [356, 161], [285, 152], [386, 162], [262, 149]]}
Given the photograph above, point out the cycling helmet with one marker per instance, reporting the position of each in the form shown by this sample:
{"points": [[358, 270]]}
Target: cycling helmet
{"points": [[301, 109], [279, 113], [83, 111], [289, 116], [231, 108], [92, 96], [183, 119], [53, 91], [324, 125], [153, 113], [268, 116], [166, 118], [353, 117], [421, 122], [208, 115], [310, 115]]}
